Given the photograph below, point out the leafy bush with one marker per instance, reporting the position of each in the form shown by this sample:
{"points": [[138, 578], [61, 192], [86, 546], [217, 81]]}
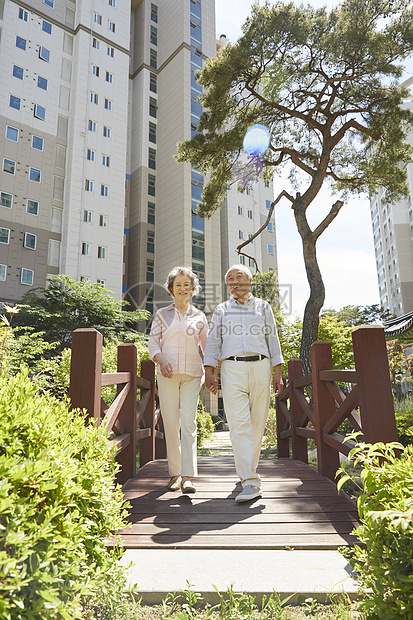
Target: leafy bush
{"points": [[270, 432], [204, 423], [58, 502], [385, 563]]}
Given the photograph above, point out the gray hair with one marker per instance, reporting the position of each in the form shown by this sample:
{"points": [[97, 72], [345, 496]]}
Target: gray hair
{"points": [[239, 267], [182, 271]]}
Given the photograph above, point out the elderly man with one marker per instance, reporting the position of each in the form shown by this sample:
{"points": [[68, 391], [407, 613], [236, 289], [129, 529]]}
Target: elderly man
{"points": [[244, 336]]}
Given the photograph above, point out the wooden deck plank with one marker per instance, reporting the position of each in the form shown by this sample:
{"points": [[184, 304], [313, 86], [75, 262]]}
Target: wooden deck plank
{"points": [[299, 509]]}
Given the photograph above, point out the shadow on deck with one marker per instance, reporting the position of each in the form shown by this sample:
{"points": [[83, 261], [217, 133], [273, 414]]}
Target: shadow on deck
{"points": [[300, 509]]}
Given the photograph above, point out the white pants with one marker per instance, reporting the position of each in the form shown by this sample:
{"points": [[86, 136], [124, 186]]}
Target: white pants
{"points": [[246, 394], [178, 398]]}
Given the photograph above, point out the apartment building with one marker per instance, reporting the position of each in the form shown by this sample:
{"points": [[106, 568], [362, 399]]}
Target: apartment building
{"points": [[393, 242], [94, 98]]}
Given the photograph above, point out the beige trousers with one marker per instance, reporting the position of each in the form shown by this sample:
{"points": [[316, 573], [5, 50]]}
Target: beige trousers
{"points": [[178, 398], [246, 394]]}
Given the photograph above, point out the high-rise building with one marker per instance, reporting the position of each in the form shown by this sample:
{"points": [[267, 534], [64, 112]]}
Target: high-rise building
{"points": [[94, 98], [392, 225]]}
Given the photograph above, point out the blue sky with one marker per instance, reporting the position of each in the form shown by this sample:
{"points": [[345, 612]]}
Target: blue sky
{"points": [[345, 250]]}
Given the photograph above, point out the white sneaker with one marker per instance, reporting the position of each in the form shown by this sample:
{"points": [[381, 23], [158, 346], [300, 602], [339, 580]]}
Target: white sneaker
{"points": [[250, 491]]}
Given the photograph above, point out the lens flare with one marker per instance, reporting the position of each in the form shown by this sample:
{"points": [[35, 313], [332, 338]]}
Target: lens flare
{"points": [[256, 140]]}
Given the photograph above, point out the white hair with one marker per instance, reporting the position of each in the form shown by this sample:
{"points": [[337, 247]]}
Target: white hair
{"points": [[239, 267]]}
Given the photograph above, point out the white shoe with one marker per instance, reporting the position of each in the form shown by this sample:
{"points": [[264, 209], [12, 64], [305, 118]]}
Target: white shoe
{"points": [[250, 491]]}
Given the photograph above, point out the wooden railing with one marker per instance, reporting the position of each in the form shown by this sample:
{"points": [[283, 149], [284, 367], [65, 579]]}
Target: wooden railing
{"points": [[126, 421], [319, 416]]}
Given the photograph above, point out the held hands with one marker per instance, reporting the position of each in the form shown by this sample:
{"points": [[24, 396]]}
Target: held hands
{"points": [[211, 379], [164, 366]]}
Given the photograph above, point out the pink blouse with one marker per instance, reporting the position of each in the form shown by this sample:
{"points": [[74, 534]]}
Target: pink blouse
{"points": [[179, 337]]}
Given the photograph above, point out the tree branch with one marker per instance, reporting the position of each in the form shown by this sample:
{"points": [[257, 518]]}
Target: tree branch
{"points": [[328, 219]]}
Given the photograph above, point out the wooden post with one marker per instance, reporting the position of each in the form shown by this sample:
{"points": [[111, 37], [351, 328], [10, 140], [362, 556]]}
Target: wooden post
{"points": [[160, 444], [299, 444], [147, 444], [283, 444], [373, 380], [86, 371], [127, 416], [324, 408]]}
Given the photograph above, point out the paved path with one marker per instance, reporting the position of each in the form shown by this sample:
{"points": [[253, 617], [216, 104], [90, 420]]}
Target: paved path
{"points": [[287, 541]]}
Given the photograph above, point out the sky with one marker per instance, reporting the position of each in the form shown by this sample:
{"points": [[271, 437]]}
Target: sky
{"points": [[345, 250]]}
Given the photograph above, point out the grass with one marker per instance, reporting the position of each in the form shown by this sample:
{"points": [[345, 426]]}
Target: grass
{"points": [[188, 605]]}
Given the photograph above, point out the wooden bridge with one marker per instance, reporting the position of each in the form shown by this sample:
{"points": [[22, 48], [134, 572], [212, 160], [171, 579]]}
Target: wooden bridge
{"points": [[300, 507]]}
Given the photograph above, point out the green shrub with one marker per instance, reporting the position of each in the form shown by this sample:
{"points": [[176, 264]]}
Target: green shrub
{"points": [[270, 432], [204, 423], [58, 502], [385, 563]]}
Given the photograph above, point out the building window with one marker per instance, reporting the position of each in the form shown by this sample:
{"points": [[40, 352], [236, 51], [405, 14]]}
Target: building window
{"points": [[268, 204], [249, 213], [103, 221], [270, 248], [98, 19], [104, 190], [89, 185], [153, 82], [92, 125], [108, 104], [32, 207], [150, 268], [21, 43], [44, 53], [4, 235], [152, 133], [39, 112], [35, 174], [154, 35], [94, 97], [46, 27], [96, 43], [242, 260], [151, 184], [86, 247], [23, 15], [109, 77], [18, 72], [152, 107], [151, 213], [49, 3], [101, 252], [153, 59], [29, 241], [106, 131], [154, 13], [15, 102], [3, 272], [26, 276], [240, 234], [270, 227], [106, 160], [240, 210], [111, 26], [112, 3], [6, 200], [87, 216], [9, 166], [100, 281], [41, 82], [110, 51], [37, 143], [152, 159], [90, 154], [12, 133], [95, 70], [150, 245]]}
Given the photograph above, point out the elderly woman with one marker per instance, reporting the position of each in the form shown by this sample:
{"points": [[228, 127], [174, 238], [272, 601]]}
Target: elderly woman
{"points": [[178, 333]]}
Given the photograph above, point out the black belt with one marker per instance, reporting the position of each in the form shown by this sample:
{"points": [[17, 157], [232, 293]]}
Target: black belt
{"points": [[250, 358]]}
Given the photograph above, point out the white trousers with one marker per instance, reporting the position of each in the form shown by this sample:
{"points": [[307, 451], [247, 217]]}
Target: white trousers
{"points": [[246, 394], [178, 398]]}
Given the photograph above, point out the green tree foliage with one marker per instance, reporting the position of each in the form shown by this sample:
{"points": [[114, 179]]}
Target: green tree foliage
{"points": [[325, 84], [65, 305], [399, 366], [353, 316], [58, 502]]}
